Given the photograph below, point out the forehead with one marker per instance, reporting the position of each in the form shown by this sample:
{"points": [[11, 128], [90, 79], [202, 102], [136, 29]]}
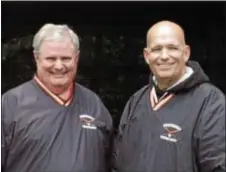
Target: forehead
{"points": [[64, 47], [166, 34], [165, 39]]}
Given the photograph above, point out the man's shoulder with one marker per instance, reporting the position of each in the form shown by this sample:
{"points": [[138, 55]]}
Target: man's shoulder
{"points": [[86, 91], [210, 92], [210, 89], [140, 91], [137, 95], [12, 97], [17, 90]]}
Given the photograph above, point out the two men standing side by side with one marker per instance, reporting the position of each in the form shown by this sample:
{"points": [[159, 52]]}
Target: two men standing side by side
{"points": [[176, 123]]}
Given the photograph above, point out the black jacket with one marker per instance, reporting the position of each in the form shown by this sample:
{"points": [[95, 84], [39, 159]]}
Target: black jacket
{"points": [[41, 135], [182, 132]]}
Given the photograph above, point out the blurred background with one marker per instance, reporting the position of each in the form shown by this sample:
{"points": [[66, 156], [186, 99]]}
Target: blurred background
{"points": [[112, 37]]}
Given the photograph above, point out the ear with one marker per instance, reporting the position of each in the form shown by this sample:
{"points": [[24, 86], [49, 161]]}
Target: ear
{"points": [[146, 53], [187, 53], [35, 54], [77, 56]]}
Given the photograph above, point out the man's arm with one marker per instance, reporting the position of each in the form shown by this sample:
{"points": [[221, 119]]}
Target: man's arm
{"points": [[108, 145], [3, 145], [210, 134], [8, 104], [118, 135]]}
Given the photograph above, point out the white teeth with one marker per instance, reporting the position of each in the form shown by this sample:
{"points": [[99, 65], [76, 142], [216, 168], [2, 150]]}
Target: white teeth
{"points": [[165, 65], [58, 74]]}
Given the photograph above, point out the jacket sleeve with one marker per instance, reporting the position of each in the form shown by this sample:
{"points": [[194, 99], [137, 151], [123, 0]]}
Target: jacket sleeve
{"points": [[3, 144], [8, 104], [109, 131], [124, 121], [118, 135], [210, 134]]}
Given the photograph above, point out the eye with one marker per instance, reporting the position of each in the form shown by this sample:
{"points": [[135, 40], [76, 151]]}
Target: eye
{"points": [[155, 49], [66, 58], [50, 58], [172, 48]]}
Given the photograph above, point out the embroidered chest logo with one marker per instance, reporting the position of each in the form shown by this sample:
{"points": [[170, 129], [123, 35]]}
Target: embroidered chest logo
{"points": [[171, 132], [87, 121]]}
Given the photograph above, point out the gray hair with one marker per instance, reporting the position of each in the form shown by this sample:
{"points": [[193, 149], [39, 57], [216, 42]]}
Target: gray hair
{"points": [[54, 32]]}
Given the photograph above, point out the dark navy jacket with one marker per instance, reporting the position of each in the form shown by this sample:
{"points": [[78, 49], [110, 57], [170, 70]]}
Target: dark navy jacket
{"points": [[182, 132], [41, 135]]}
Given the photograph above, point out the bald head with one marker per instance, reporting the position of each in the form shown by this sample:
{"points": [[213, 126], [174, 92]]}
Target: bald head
{"points": [[165, 28]]}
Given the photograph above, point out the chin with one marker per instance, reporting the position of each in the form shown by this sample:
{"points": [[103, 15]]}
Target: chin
{"points": [[164, 77], [59, 83], [164, 74]]}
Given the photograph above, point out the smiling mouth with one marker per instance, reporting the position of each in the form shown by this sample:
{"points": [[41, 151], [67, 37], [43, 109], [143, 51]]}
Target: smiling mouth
{"points": [[58, 75], [165, 66]]}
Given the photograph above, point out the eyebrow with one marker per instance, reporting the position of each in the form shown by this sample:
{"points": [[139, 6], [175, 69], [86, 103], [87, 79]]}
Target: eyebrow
{"points": [[160, 45]]}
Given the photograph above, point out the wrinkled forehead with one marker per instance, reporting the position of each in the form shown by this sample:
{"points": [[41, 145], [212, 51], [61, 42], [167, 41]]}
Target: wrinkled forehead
{"points": [[57, 49], [54, 44], [64, 46]]}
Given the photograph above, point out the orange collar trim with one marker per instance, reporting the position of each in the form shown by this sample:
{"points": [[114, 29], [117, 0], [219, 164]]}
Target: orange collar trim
{"points": [[158, 103], [51, 94]]}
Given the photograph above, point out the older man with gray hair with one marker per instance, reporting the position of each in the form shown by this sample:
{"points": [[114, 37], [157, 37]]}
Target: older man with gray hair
{"points": [[51, 123]]}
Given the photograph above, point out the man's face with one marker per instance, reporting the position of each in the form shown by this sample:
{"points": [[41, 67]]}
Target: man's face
{"points": [[166, 54], [57, 63]]}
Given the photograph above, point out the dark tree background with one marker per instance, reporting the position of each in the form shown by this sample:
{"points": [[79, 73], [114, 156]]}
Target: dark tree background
{"points": [[112, 36]]}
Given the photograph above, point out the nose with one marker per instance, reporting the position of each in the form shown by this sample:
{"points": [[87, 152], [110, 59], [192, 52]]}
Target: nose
{"points": [[164, 54], [58, 64]]}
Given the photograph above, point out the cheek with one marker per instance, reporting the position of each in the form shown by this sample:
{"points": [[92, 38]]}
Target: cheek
{"points": [[73, 65], [153, 69], [72, 68], [180, 61], [43, 66], [44, 63], [151, 61], [153, 64], [177, 68]]}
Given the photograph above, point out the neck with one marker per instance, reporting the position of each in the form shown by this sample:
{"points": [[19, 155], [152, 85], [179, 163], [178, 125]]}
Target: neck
{"points": [[163, 84], [58, 90], [64, 92]]}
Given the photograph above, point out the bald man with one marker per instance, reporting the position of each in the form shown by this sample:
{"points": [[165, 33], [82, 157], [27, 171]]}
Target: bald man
{"points": [[176, 123]]}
